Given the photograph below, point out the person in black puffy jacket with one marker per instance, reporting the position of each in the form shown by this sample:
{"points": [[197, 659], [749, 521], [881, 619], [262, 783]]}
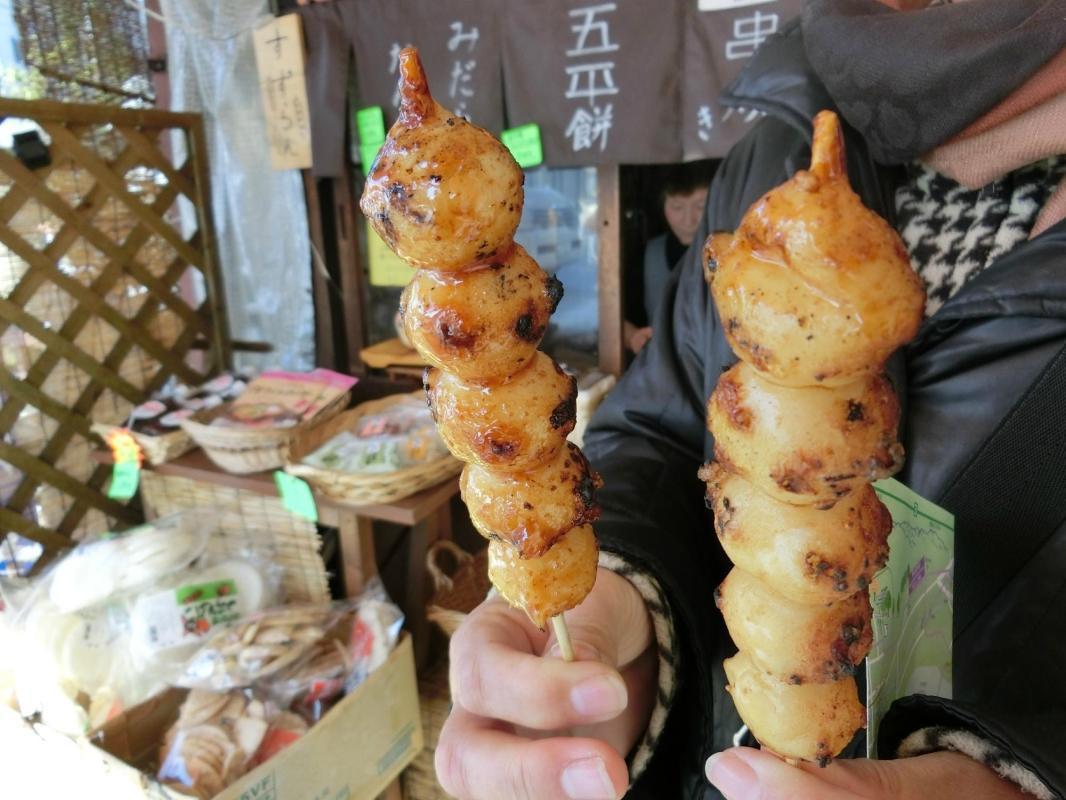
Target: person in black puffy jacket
{"points": [[953, 133]]}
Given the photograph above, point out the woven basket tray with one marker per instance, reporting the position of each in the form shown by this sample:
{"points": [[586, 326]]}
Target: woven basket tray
{"points": [[243, 450], [367, 487], [460, 580], [157, 449]]}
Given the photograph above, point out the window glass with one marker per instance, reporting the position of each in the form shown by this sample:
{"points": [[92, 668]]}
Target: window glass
{"points": [[558, 229]]}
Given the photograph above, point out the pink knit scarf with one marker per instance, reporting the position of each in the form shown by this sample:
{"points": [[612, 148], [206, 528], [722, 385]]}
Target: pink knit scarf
{"points": [[1027, 126]]}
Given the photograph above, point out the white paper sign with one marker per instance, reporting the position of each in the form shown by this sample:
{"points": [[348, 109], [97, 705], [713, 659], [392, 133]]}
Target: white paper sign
{"points": [[725, 5]]}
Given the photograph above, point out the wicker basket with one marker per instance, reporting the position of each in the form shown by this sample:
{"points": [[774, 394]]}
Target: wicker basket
{"points": [[460, 580], [363, 488], [243, 450], [157, 449]]}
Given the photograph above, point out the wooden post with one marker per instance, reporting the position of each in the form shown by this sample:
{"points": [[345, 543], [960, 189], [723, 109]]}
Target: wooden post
{"points": [[324, 352], [157, 51], [611, 340], [352, 277], [338, 280]]}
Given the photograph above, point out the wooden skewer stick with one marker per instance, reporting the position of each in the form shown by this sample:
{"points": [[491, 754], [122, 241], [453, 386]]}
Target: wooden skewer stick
{"points": [[562, 635]]}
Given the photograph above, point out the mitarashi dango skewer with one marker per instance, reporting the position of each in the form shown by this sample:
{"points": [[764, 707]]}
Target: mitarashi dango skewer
{"points": [[814, 292], [447, 198]]}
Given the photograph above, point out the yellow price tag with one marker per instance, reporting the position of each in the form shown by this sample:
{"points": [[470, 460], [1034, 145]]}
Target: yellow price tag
{"points": [[386, 268], [124, 447]]}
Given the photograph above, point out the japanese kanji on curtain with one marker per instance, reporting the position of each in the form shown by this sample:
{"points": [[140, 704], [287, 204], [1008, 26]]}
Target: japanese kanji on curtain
{"points": [[721, 36], [460, 47], [600, 78]]}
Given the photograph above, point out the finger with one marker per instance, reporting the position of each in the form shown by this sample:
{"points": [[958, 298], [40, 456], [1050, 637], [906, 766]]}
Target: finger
{"points": [[624, 730], [476, 760], [495, 674], [743, 773]]}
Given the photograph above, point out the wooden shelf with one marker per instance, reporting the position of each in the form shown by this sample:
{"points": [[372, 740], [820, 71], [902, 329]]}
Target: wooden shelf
{"points": [[196, 466]]}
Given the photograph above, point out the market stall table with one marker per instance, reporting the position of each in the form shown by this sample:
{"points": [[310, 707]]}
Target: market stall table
{"points": [[426, 513]]}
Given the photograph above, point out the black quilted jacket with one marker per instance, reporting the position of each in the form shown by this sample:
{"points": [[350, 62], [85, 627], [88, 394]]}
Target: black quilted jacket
{"points": [[958, 380]]}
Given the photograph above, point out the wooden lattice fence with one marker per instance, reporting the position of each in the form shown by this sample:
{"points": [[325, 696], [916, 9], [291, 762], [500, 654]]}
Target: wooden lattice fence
{"points": [[108, 284]]}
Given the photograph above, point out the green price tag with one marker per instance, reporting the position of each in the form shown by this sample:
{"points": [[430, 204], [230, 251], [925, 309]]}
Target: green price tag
{"points": [[125, 478], [524, 144], [370, 124], [296, 495], [912, 606]]}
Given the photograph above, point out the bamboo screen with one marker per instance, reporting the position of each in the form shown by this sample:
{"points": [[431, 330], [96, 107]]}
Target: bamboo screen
{"points": [[86, 51], [107, 287]]}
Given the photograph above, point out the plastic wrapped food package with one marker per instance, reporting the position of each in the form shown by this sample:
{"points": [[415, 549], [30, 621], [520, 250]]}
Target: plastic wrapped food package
{"points": [[258, 686], [164, 412], [280, 399], [259, 646], [358, 643], [277, 671], [170, 622], [63, 656], [303, 656], [214, 740], [402, 436], [123, 562], [115, 619]]}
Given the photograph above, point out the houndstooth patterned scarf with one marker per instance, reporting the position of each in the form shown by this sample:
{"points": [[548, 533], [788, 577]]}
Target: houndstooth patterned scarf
{"points": [[952, 232]]}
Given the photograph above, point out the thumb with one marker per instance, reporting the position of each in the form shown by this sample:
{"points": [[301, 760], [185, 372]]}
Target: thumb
{"points": [[743, 773], [611, 625]]}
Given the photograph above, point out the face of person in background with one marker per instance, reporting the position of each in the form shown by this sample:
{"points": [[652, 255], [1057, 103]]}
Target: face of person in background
{"points": [[683, 213]]}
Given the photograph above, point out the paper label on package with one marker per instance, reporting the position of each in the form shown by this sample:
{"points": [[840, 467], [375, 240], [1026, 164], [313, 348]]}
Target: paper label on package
{"points": [[912, 606], [179, 616]]}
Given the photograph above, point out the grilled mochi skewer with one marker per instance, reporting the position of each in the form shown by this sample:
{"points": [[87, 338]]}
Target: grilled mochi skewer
{"points": [[814, 291], [447, 198]]}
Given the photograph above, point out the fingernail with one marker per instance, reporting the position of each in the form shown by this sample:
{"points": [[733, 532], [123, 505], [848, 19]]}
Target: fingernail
{"points": [[587, 779], [604, 697], [730, 774]]}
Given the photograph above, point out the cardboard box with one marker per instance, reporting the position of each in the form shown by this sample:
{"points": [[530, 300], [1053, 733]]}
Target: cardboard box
{"points": [[353, 753]]}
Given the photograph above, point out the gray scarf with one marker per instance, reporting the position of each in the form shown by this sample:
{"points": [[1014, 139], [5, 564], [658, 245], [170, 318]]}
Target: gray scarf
{"points": [[909, 81]]}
